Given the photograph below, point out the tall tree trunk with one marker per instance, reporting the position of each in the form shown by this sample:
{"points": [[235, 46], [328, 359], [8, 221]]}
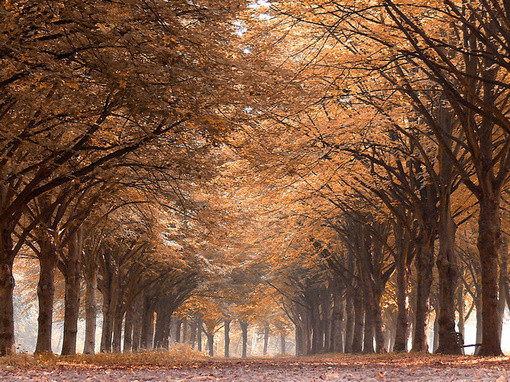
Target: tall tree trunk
{"points": [[300, 339], [349, 323], [128, 330], [489, 239], [283, 349], [359, 319], [147, 335], [106, 332], [402, 270], [45, 293], [210, 343], [336, 323], [90, 312], [503, 283], [368, 330], [227, 338], [199, 334], [137, 324], [460, 305], [72, 276], [448, 274], [244, 333], [118, 317], [6, 309], [425, 263]]}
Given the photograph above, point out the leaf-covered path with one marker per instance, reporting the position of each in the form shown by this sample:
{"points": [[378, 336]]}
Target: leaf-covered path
{"points": [[342, 368]]}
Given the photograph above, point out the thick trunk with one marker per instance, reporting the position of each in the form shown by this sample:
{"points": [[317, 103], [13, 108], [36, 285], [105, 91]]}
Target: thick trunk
{"points": [[402, 327], [448, 274], [300, 340], [45, 293], [163, 316], [244, 333], [489, 239], [503, 283], [90, 313], [425, 263], [147, 335], [227, 338], [6, 291], [210, 343], [6, 310], [72, 294]]}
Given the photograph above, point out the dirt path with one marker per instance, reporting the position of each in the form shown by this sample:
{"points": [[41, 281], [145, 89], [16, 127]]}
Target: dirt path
{"points": [[357, 368]]}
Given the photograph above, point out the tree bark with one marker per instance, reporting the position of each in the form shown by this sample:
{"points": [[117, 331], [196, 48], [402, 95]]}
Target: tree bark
{"points": [[489, 239], [448, 274], [72, 276], [244, 333], [349, 324], [283, 349], [6, 309], [227, 338], [359, 319], [425, 263], [45, 293], [210, 343], [90, 312], [147, 335], [128, 330]]}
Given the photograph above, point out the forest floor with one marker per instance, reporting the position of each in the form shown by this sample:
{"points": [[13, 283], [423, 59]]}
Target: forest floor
{"points": [[162, 367]]}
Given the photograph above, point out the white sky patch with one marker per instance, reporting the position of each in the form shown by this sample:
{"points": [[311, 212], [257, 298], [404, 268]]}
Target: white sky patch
{"points": [[247, 50], [265, 16], [240, 28], [260, 3]]}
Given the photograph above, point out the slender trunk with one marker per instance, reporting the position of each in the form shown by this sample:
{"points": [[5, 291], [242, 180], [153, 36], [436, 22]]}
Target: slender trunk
{"points": [[90, 312], [336, 323], [460, 303], [244, 332], [282, 344], [435, 344], [489, 239], [479, 320], [106, 332], [45, 293], [357, 337], [402, 326], [199, 334], [227, 338], [266, 339], [128, 330], [72, 276], [184, 330], [349, 324]]}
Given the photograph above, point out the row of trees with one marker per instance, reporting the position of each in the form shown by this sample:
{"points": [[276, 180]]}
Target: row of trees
{"points": [[402, 147]]}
